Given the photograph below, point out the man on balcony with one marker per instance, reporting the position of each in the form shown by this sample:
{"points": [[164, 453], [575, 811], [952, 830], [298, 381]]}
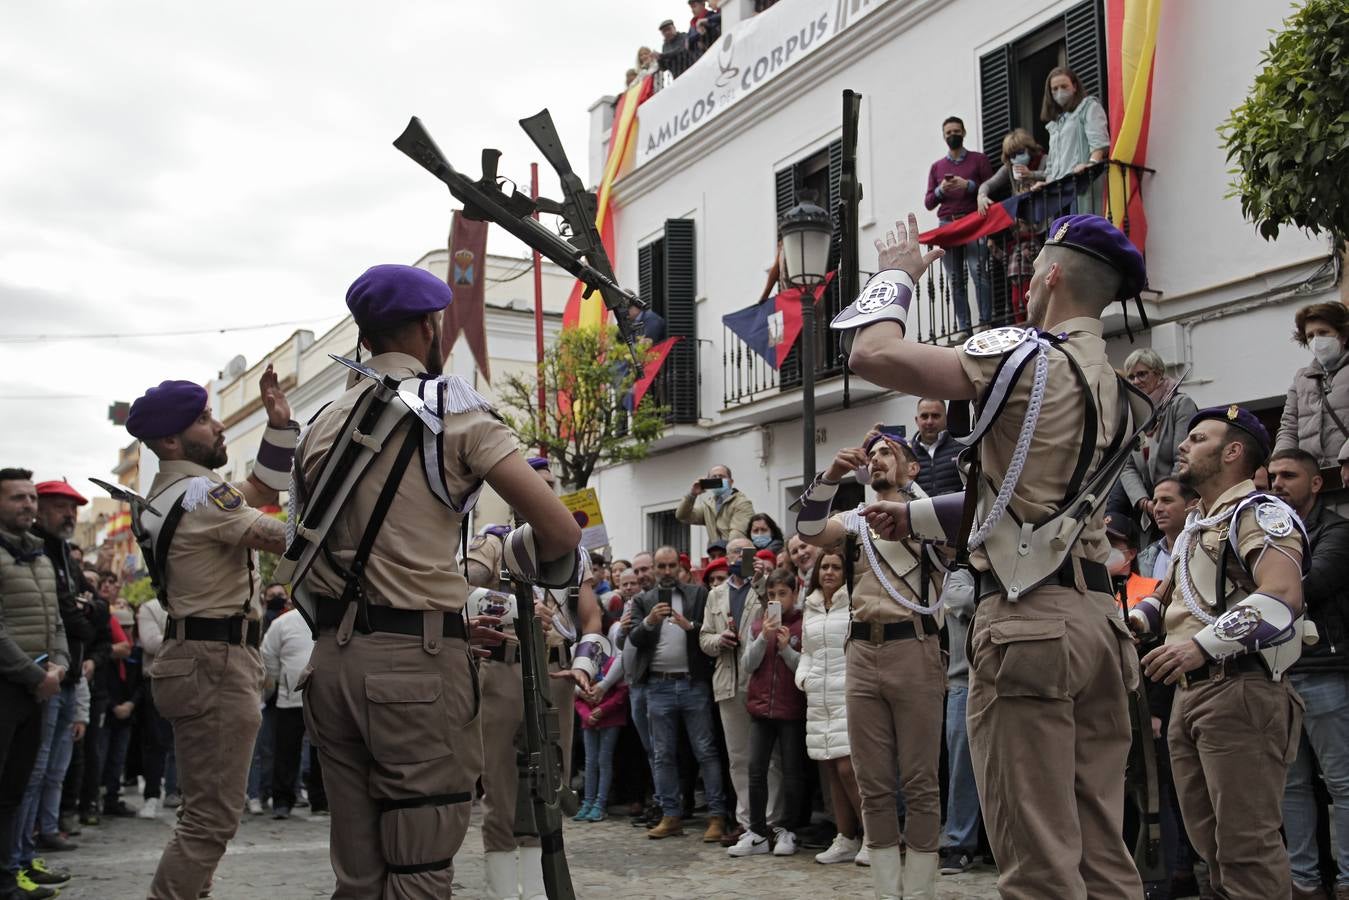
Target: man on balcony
{"points": [[721, 509], [953, 190]]}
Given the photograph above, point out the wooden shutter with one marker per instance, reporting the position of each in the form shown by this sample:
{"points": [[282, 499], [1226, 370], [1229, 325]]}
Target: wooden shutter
{"points": [[681, 318], [996, 97], [1084, 34], [788, 184], [647, 274]]}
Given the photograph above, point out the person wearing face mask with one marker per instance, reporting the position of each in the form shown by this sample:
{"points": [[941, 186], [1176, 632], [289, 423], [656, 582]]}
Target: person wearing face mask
{"points": [[1079, 132], [724, 511], [952, 186], [1023, 163], [1316, 411], [764, 533]]}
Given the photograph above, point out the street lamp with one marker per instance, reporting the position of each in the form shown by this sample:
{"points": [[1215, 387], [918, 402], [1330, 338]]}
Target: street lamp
{"points": [[805, 231]]}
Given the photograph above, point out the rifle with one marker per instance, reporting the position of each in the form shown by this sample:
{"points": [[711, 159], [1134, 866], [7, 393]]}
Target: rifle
{"points": [[484, 200], [1141, 784], [849, 196], [544, 796]]}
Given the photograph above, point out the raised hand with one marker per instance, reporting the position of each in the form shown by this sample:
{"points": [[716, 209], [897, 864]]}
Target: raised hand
{"points": [[849, 459], [901, 250], [274, 399]]}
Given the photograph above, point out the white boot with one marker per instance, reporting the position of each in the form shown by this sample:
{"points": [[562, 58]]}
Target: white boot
{"points": [[501, 876], [885, 872], [531, 874], [920, 876]]}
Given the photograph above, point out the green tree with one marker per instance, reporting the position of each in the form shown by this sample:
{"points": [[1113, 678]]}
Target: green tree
{"points": [[1290, 138], [591, 370], [138, 591]]}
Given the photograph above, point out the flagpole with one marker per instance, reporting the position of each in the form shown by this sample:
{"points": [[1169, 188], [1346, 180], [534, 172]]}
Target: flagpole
{"points": [[538, 307]]}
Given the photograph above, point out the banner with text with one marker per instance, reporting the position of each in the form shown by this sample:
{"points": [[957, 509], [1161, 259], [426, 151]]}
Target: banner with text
{"points": [[747, 57]]}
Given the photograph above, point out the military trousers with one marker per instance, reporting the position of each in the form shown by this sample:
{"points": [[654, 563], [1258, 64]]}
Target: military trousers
{"points": [[395, 719], [1232, 739], [896, 699], [502, 717], [1049, 733], [210, 691]]}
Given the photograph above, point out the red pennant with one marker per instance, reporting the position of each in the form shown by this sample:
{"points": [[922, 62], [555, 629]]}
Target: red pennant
{"points": [[643, 384]]}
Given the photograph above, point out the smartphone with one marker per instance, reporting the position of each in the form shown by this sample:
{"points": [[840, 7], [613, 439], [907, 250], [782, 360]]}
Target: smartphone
{"points": [[747, 562], [665, 595], [709, 484], [901, 430], [40, 660], [773, 612]]}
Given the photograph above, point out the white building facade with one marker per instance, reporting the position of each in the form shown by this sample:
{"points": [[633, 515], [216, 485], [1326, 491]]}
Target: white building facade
{"points": [[723, 150]]}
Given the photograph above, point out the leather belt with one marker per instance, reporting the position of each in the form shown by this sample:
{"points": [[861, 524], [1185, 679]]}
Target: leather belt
{"points": [[555, 656], [667, 676], [234, 630], [880, 633], [1219, 671], [387, 619], [1094, 575], [505, 652]]}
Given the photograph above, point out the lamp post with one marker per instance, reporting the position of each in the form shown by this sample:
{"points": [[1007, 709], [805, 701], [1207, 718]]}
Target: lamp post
{"points": [[805, 232]]}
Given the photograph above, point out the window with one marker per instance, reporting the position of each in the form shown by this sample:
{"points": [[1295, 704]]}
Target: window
{"points": [[1012, 77], [663, 528], [667, 281]]}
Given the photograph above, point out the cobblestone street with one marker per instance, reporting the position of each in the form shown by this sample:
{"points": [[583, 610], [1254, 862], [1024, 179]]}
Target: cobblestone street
{"points": [[289, 860]]}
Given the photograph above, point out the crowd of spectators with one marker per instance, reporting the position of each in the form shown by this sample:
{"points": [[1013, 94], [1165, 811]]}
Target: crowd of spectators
{"points": [[680, 49]]}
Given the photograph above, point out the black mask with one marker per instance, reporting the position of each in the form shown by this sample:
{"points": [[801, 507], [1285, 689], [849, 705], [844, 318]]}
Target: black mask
{"points": [[955, 140]]}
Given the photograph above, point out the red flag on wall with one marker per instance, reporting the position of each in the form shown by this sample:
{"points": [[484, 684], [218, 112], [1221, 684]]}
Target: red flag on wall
{"points": [[652, 369], [468, 260]]}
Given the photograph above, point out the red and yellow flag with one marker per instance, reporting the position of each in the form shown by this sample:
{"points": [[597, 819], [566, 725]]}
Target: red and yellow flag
{"points": [[1131, 28], [589, 312]]}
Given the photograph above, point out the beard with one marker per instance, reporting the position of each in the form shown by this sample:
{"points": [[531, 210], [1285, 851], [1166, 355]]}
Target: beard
{"points": [[1194, 472], [210, 456], [881, 483]]}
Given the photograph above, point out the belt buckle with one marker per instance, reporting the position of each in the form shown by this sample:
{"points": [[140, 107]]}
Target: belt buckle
{"points": [[877, 635]]}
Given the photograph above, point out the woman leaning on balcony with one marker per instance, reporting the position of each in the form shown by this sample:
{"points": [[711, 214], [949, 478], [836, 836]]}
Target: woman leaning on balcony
{"points": [[1079, 133], [1023, 167]]}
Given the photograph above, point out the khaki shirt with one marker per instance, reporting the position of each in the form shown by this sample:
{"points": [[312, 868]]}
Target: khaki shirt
{"points": [[210, 573], [870, 602], [1058, 433], [1204, 552], [488, 551], [413, 562]]}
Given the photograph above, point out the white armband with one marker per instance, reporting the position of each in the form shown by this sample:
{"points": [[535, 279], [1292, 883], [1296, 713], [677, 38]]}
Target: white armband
{"points": [[276, 453], [591, 653], [884, 298], [815, 504], [522, 559], [1147, 613], [1256, 622]]}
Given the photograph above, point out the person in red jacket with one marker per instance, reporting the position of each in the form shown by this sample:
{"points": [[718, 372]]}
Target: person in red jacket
{"points": [[601, 723], [777, 711]]}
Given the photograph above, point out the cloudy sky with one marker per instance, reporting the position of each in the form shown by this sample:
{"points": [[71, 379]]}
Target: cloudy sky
{"points": [[187, 167]]}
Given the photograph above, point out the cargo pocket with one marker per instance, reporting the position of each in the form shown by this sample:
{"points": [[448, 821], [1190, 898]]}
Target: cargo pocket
{"points": [[409, 718], [302, 685], [1128, 654], [1032, 658], [174, 688]]}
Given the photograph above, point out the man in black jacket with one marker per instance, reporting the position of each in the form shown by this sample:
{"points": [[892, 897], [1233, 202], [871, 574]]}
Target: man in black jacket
{"points": [[678, 681], [935, 450], [1321, 677]]}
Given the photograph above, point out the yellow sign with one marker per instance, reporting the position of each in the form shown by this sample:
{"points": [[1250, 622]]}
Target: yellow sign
{"points": [[584, 505]]}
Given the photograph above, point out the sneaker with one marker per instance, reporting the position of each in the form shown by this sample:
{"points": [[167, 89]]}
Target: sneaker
{"points": [[254, 806], [784, 843], [750, 844], [842, 850], [954, 861], [173, 801], [55, 843], [863, 857], [30, 889], [582, 814], [149, 809], [597, 813], [280, 812], [68, 823], [118, 809], [89, 818], [40, 872]]}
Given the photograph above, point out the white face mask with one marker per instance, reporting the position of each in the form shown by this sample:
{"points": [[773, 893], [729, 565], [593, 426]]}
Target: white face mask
{"points": [[1116, 562], [1326, 348], [1063, 95]]}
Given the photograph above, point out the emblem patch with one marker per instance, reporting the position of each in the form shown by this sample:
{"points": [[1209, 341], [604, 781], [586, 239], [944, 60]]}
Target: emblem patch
{"points": [[1232, 413], [1237, 623], [1274, 519], [226, 497], [1061, 233], [877, 297], [996, 341]]}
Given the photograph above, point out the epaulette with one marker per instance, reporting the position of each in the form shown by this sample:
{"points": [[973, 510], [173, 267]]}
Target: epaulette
{"points": [[996, 341]]}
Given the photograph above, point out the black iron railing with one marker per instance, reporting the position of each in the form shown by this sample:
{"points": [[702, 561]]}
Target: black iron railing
{"points": [[747, 376], [678, 383]]}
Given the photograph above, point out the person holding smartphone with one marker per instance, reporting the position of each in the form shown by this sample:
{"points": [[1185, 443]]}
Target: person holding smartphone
{"points": [[714, 503], [952, 190]]}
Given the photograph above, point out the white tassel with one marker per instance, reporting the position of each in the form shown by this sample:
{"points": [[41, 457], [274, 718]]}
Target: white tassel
{"points": [[292, 508], [460, 397], [197, 490]]}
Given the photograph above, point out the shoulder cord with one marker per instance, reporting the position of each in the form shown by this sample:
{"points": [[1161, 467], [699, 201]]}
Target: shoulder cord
{"points": [[1193, 525], [855, 522]]}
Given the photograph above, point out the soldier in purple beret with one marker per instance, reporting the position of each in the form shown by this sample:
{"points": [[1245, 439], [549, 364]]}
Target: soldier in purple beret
{"points": [[386, 298]]}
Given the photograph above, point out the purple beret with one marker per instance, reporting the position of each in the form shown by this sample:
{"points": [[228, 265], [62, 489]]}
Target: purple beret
{"points": [[1237, 417], [538, 462], [165, 410], [388, 294], [1096, 237], [871, 441]]}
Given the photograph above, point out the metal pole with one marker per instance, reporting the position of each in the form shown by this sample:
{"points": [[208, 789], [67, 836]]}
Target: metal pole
{"points": [[808, 385], [538, 307]]}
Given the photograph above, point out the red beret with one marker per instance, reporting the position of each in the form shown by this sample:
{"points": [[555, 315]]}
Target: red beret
{"points": [[767, 556], [716, 565], [60, 488]]}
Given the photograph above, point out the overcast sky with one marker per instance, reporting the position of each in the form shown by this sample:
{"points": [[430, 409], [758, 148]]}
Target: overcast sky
{"points": [[171, 166]]}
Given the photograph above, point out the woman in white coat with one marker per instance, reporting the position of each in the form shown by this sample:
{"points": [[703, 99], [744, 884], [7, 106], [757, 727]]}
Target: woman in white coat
{"points": [[820, 674]]}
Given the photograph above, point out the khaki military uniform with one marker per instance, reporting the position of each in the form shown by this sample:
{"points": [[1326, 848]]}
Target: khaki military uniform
{"points": [[896, 698], [395, 716], [1234, 733], [1049, 674], [210, 690]]}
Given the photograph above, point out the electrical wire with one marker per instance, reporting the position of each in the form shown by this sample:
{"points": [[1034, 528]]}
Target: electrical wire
{"points": [[57, 337]]}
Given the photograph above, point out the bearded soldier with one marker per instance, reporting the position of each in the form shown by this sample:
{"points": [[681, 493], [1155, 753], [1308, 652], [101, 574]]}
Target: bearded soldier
{"points": [[384, 477], [1052, 659], [1230, 610], [896, 681]]}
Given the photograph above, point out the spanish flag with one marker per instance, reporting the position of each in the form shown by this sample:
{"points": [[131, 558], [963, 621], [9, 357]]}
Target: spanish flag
{"points": [[1131, 29], [589, 312]]}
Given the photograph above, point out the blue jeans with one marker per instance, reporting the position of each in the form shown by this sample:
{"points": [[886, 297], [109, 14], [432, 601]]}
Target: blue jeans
{"points": [[58, 763], [972, 258], [637, 703], [962, 797], [1325, 733], [260, 772], [599, 747], [60, 708], [668, 701]]}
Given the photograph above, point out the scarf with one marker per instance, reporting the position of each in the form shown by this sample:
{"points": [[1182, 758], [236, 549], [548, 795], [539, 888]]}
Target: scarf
{"points": [[1156, 395]]}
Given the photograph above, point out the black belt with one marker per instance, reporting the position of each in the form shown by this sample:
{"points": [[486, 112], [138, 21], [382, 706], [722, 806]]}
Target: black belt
{"points": [[1094, 575], [1224, 669], [555, 656], [667, 676], [505, 652], [234, 630], [878, 633], [387, 619]]}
